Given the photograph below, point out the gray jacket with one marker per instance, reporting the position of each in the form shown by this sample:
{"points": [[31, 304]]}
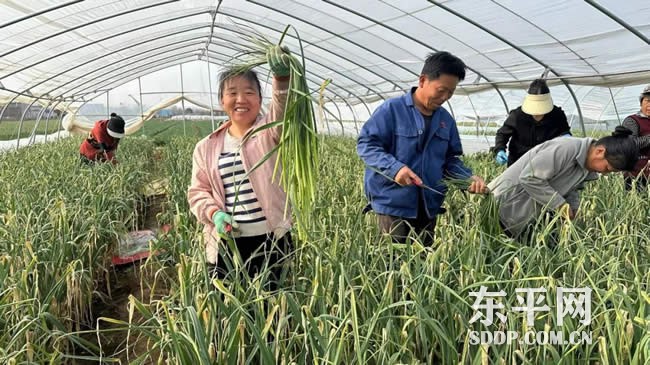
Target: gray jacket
{"points": [[546, 177]]}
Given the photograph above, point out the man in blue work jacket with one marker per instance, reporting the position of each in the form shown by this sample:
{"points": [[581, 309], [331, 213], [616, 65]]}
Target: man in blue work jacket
{"points": [[408, 145]]}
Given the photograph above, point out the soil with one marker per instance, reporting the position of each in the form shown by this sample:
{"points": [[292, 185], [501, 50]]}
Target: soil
{"points": [[125, 280]]}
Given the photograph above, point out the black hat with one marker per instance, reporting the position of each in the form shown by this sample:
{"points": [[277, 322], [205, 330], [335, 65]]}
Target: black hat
{"points": [[116, 126]]}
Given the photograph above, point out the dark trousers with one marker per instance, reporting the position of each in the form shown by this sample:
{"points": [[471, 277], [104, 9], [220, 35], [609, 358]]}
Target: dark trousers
{"points": [[399, 228], [256, 252], [641, 182]]}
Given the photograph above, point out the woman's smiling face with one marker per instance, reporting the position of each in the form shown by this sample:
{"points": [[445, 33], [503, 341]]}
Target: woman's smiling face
{"points": [[241, 100]]}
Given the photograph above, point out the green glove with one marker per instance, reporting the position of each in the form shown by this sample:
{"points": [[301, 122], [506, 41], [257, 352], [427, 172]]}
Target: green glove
{"points": [[224, 222], [279, 60]]}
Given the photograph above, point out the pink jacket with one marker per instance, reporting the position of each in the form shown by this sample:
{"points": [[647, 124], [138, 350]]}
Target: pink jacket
{"points": [[206, 192]]}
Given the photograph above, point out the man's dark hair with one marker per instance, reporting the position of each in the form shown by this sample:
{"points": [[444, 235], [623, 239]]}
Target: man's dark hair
{"points": [[621, 150], [443, 62], [249, 75]]}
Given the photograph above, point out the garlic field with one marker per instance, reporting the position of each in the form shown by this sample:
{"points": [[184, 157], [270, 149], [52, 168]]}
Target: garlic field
{"points": [[349, 295]]}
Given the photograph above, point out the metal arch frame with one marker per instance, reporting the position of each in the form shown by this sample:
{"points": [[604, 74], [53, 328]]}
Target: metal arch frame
{"points": [[505, 104], [94, 21], [163, 66], [4, 109], [519, 49], [320, 64], [620, 21], [207, 48], [58, 135], [192, 14], [313, 82], [137, 73], [307, 58], [26, 93], [354, 116], [108, 81], [330, 91], [348, 40], [611, 100], [214, 19], [101, 40], [20, 125], [315, 45], [116, 50], [125, 58], [47, 120], [463, 43], [147, 54], [40, 12], [625, 25], [316, 62], [199, 27], [548, 34], [335, 35], [32, 136], [340, 118]]}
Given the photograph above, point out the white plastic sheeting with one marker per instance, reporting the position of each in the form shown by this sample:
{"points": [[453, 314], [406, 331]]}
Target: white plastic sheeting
{"points": [[74, 50]]}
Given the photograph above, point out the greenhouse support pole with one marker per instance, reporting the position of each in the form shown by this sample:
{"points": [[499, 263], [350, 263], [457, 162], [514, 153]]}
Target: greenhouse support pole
{"points": [[614, 104], [183, 100], [478, 119], [207, 55], [340, 118], [354, 116], [575, 100], [47, 120], [58, 133], [2, 112], [32, 136], [141, 111], [22, 119], [108, 106]]}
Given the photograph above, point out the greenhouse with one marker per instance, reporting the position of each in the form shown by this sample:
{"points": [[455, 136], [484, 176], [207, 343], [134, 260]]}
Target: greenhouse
{"points": [[106, 262]]}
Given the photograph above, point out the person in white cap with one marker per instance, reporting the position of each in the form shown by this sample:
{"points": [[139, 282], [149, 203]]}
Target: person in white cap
{"points": [[639, 124], [536, 121], [102, 142]]}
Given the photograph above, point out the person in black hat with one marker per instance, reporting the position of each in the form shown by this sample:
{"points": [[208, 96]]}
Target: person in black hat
{"points": [[102, 142], [536, 121], [639, 124]]}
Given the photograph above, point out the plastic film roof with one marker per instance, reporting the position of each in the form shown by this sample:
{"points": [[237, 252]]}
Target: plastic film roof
{"points": [[371, 49]]}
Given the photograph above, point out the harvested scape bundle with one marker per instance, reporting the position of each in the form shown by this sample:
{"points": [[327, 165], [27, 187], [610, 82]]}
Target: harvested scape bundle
{"points": [[298, 146], [488, 208]]}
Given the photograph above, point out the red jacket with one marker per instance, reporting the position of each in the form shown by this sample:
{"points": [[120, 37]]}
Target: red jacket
{"points": [[98, 141]]}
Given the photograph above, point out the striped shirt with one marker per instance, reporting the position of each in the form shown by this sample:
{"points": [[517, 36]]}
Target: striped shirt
{"points": [[241, 201]]}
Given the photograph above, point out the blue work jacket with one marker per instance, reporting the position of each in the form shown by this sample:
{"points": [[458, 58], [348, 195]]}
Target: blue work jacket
{"points": [[394, 137]]}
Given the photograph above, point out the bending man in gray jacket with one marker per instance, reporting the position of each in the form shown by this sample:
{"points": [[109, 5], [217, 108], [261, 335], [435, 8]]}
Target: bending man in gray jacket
{"points": [[547, 178]]}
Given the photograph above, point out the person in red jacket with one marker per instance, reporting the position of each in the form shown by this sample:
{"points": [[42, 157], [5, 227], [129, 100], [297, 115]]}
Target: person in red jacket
{"points": [[102, 142]]}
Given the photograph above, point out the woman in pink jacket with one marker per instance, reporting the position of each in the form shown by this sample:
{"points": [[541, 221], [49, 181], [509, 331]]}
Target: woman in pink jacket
{"points": [[232, 201]]}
